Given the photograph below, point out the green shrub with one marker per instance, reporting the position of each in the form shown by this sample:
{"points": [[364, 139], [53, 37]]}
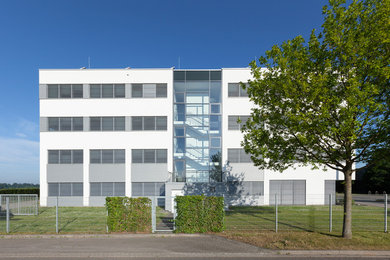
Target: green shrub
{"points": [[199, 214], [20, 191], [129, 214]]}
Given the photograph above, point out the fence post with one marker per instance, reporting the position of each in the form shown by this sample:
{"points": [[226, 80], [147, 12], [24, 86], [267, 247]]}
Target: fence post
{"points": [[57, 214], [276, 212], [106, 221], [153, 215], [7, 208], [174, 215], [18, 204], [330, 212], [385, 213]]}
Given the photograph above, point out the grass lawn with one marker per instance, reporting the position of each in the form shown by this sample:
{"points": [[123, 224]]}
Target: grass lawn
{"points": [[307, 227], [253, 225], [303, 218], [71, 220]]}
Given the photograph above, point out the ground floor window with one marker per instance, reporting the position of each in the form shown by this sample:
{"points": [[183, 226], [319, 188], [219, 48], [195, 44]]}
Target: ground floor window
{"points": [[65, 189], [107, 189], [148, 189], [288, 192]]}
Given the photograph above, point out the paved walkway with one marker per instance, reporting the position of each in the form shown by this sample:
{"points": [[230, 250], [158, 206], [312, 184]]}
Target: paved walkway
{"points": [[148, 246]]}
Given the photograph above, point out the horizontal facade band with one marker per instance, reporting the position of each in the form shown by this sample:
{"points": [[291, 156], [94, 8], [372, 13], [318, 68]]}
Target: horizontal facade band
{"points": [[103, 124]]}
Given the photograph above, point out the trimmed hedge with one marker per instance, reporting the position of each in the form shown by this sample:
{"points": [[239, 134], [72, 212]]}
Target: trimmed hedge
{"points": [[20, 191], [199, 214], [129, 214]]}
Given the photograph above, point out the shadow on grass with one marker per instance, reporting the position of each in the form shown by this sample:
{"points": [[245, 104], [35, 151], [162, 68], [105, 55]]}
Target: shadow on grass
{"points": [[70, 221], [265, 216]]}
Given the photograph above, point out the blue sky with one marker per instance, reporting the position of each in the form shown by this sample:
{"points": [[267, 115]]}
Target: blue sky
{"points": [[117, 34]]}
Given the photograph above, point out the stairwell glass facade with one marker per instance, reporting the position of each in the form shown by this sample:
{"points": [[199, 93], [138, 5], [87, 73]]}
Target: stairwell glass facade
{"points": [[197, 126]]}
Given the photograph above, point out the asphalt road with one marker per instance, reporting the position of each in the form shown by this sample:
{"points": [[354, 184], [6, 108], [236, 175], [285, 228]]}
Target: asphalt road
{"points": [[152, 247], [369, 200]]}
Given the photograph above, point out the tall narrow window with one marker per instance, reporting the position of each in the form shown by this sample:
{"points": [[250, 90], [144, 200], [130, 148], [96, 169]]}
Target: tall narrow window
{"points": [[119, 90], [52, 91], [54, 123], [95, 124], [77, 91], [136, 123], [161, 90], [136, 91], [107, 91], [65, 91], [94, 91]]}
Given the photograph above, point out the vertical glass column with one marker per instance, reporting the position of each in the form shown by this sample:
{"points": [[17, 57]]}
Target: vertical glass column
{"points": [[197, 126]]}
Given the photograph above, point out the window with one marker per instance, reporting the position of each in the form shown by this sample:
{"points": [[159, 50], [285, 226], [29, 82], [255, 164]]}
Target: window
{"points": [[137, 155], [148, 123], [107, 189], [95, 123], [54, 123], [77, 91], [149, 156], [65, 91], [52, 91], [107, 123], [119, 123], [120, 91], [215, 108], [78, 124], [233, 123], [107, 156], [65, 189], [65, 156], [238, 155], [235, 90], [215, 142], [136, 123], [161, 123], [161, 90], [136, 91], [179, 131], [149, 90], [65, 124], [94, 91], [147, 189], [107, 90]]}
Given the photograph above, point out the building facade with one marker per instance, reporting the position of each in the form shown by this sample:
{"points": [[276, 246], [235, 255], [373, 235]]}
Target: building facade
{"points": [[156, 132]]}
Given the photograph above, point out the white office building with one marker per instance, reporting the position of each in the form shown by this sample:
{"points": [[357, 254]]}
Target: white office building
{"points": [[156, 132]]}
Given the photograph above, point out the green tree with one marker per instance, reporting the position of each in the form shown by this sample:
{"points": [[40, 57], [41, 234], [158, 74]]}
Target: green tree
{"points": [[324, 102]]}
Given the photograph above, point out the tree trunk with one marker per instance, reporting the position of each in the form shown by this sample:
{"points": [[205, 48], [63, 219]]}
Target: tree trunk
{"points": [[347, 223]]}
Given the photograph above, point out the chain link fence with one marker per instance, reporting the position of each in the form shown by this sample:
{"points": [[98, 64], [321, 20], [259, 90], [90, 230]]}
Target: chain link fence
{"points": [[319, 214], [369, 213]]}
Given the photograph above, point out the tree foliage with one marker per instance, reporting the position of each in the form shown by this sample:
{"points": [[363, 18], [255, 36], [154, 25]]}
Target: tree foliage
{"points": [[324, 102]]}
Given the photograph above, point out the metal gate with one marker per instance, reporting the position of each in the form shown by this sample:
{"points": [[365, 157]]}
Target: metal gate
{"points": [[162, 220], [20, 204]]}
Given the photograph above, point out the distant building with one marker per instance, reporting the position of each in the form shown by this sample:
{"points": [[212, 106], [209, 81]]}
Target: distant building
{"points": [[156, 132]]}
